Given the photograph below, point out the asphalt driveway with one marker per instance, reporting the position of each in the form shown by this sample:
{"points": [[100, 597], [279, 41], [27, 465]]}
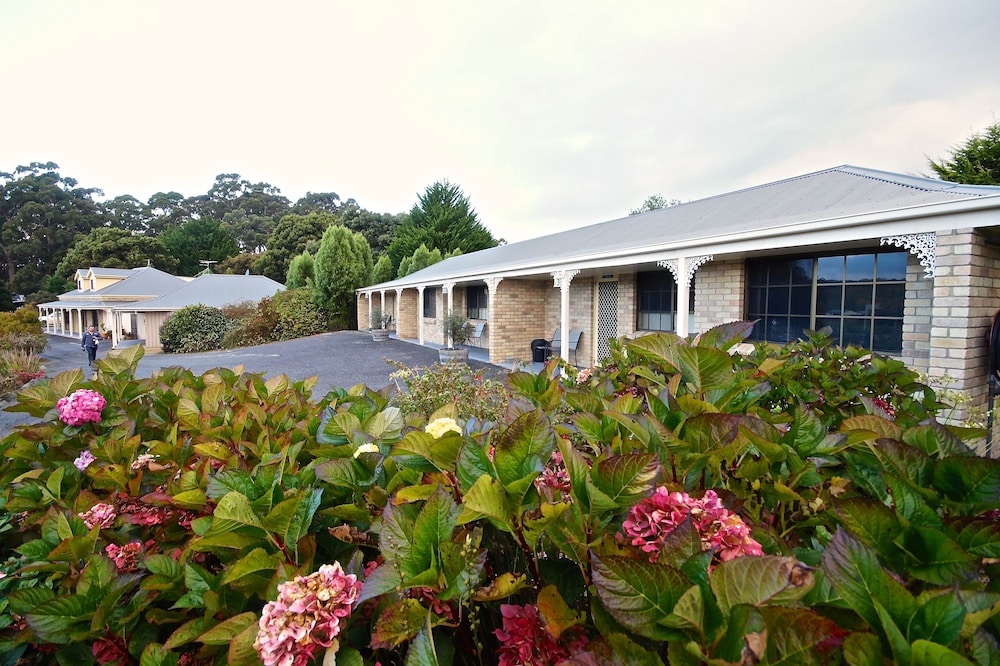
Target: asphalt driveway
{"points": [[342, 359]]}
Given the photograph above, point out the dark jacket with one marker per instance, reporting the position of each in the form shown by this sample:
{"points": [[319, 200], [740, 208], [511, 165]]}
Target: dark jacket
{"points": [[90, 339]]}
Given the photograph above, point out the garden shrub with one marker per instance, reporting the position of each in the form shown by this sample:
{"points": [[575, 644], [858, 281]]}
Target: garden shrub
{"points": [[298, 314], [668, 508], [194, 328], [22, 331], [423, 391], [17, 368]]}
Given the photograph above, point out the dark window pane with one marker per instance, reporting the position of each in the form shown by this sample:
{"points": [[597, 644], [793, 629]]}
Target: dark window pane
{"points": [[756, 273], [858, 300], [833, 323], [756, 302], [830, 269], [757, 334], [801, 302], [780, 272], [828, 299], [888, 336], [860, 268], [892, 265], [777, 300], [802, 271], [857, 332], [889, 300], [777, 329], [797, 327]]}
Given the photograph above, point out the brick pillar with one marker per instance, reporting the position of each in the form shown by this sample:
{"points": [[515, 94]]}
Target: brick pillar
{"points": [[719, 287]]}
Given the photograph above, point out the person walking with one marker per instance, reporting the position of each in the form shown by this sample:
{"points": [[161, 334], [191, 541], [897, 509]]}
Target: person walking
{"points": [[89, 343]]}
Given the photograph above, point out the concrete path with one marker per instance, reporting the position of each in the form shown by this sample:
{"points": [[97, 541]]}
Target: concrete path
{"points": [[341, 359]]}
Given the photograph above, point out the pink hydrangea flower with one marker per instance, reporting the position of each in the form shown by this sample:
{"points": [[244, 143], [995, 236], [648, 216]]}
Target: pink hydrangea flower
{"points": [[651, 520], [83, 406], [524, 640], [126, 557], [306, 616], [83, 460], [142, 460], [100, 515]]}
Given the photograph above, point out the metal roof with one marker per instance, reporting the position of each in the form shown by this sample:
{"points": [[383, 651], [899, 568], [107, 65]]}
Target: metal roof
{"points": [[834, 196], [214, 289]]}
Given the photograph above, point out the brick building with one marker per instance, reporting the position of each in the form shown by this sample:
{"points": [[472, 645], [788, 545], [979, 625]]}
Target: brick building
{"points": [[904, 265]]}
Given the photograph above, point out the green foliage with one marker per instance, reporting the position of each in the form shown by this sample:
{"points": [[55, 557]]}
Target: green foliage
{"points": [[194, 328], [115, 248], [287, 315], [976, 162], [301, 272], [343, 264], [653, 202], [878, 524], [382, 272], [420, 259], [443, 220], [21, 331], [292, 236], [455, 327], [202, 239]]}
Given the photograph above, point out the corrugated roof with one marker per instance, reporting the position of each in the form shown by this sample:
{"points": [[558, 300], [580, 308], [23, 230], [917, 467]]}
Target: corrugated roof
{"points": [[840, 192], [215, 290], [143, 282]]}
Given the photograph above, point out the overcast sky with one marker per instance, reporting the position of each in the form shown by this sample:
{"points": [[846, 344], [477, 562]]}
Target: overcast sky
{"points": [[548, 114]]}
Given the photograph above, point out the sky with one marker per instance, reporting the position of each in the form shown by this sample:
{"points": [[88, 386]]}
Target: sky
{"points": [[549, 114]]}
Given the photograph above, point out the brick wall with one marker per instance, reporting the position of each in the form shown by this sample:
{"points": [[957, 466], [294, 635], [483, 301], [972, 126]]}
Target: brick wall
{"points": [[718, 294], [519, 315], [918, 309], [966, 288], [409, 313]]}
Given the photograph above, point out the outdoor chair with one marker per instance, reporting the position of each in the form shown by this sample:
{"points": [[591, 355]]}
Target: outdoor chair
{"points": [[555, 345], [476, 336]]}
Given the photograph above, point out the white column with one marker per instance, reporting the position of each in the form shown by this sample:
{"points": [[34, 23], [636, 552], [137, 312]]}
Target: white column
{"points": [[420, 315], [492, 283], [395, 308], [562, 279]]}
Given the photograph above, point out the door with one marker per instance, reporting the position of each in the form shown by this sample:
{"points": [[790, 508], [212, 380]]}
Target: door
{"points": [[607, 316]]}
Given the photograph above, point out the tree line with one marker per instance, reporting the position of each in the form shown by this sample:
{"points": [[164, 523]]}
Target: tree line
{"points": [[50, 226]]}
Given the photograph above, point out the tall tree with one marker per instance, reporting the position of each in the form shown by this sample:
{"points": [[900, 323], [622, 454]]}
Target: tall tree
{"points": [[127, 212], [301, 272], [318, 202], [382, 271], [293, 235], [653, 202], [41, 213], [115, 248], [169, 210], [420, 259], [379, 229], [443, 219], [343, 263], [199, 240], [976, 162]]}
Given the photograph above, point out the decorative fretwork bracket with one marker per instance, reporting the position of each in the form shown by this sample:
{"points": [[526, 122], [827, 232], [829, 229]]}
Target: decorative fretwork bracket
{"points": [[562, 279], [923, 246], [691, 265]]}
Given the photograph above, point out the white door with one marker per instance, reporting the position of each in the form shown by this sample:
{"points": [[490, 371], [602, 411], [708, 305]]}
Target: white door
{"points": [[607, 316]]}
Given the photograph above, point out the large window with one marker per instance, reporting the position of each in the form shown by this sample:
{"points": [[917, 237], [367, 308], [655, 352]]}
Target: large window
{"points": [[477, 306], [858, 296], [658, 301], [430, 302]]}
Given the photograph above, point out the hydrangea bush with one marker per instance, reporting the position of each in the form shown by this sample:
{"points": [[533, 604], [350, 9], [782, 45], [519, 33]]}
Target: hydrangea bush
{"points": [[673, 506]]}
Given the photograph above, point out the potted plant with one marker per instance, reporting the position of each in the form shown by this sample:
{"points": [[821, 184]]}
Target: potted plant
{"points": [[455, 327], [378, 322]]}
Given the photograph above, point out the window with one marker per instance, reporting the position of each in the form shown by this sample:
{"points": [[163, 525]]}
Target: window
{"points": [[858, 296], [658, 301], [430, 302], [477, 306]]}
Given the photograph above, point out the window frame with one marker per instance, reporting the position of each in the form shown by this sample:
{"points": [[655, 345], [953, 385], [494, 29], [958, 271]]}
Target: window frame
{"points": [[430, 302], [645, 318], [477, 302]]}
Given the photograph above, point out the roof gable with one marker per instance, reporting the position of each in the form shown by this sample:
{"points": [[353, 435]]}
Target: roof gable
{"points": [[215, 290]]}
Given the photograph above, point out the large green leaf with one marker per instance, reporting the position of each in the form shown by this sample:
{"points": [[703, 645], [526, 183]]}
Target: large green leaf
{"points": [[978, 536], [939, 619], [441, 452], [53, 621], [227, 630], [857, 576], [793, 635], [974, 481], [863, 650], [872, 522], [487, 497], [473, 462], [522, 450], [256, 561], [926, 653], [434, 525], [724, 336], [232, 479], [757, 581], [398, 623], [935, 557], [232, 512], [396, 537], [291, 518], [640, 595], [627, 479]]}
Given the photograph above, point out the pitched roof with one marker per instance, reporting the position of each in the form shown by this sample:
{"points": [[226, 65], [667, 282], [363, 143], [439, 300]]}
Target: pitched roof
{"points": [[215, 290], [834, 197]]}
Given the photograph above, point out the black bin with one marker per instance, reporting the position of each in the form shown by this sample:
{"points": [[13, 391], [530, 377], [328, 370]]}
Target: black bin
{"points": [[539, 350]]}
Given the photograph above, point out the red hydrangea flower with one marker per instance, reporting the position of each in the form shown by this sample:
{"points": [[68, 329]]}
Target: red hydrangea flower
{"points": [[524, 640]]}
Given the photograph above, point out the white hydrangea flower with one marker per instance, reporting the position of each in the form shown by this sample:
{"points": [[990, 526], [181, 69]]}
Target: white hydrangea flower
{"points": [[438, 427], [367, 448]]}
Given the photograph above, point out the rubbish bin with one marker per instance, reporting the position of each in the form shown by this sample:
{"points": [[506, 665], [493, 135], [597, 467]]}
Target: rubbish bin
{"points": [[539, 350]]}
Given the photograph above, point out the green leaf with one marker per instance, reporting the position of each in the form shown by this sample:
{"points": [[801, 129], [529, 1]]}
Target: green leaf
{"points": [[441, 452], [155, 654], [935, 557], [857, 576], [926, 653], [628, 478], [793, 635], [395, 539], [640, 595], [53, 620], [872, 522], [385, 578], [434, 524], [398, 623], [939, 620], [227, 630], [96, 576], [255, 561], [756, 581], [232, 512], [978, 536], [970, 480], [863, 650], [186, 633], [23, 601], [232, 480], [522, 450], [291, 518], [487, 497]]}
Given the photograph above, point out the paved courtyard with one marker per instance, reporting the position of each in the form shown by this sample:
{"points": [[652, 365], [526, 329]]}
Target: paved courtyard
{"points": [[340, 359]]}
